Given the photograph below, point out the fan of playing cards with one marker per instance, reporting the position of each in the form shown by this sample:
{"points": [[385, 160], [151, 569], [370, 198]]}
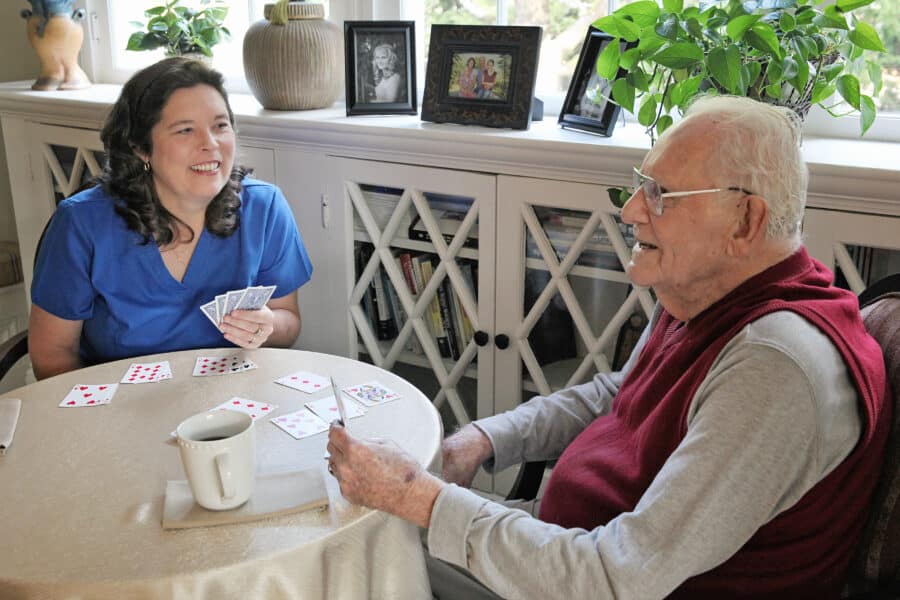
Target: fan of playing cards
{"points": [[251, 298]]}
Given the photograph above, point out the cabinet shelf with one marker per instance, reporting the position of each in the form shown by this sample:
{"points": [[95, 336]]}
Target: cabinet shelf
{"points": [[582, 271], [415, 245]]}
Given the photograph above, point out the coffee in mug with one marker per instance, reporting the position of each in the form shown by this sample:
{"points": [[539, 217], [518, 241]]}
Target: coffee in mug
{"points": [[218, 451]]}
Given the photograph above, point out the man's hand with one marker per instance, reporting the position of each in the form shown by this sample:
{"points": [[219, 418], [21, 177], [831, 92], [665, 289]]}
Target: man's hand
{"points": [[462, 453], [380, 475]]}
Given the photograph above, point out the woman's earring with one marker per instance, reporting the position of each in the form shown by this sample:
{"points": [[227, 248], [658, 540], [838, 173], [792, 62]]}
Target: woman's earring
{"points": [[146, 166]]}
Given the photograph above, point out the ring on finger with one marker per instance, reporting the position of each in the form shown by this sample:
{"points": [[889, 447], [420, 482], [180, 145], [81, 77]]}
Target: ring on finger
{"points": [[258, 330]]}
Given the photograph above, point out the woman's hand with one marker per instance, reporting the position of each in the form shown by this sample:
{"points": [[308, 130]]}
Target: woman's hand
{"points": [[249, 328], [462, 454], [380, 475]]}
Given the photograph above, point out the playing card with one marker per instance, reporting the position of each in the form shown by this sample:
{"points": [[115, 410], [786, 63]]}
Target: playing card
{"points": [[371, 393], [256, 297], [305, 381], [89, 395], [232, 300], [209, 309], [255, 409], [147, 372], [221, 365], [327, 408], [300, 424], [220, 307]]}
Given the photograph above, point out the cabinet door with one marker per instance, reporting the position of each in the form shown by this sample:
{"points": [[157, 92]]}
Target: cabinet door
{"points": [[62, 160], [563, 300], [420, 277], [860, 248]]}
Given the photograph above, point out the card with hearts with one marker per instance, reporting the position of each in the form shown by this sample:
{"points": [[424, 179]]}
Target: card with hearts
{"points": [[300, 424], [89, 395], [221, 365], [147, 372], [327, 408], [305, 381], [255, 409], [371, 393]]}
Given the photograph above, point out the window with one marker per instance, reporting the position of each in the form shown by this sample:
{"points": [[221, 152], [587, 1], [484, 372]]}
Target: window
{"points": [[565, 23]]}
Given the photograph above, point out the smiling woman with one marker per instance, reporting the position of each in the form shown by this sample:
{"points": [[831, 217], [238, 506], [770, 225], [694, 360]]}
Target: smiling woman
{"points": [[125, 265]]}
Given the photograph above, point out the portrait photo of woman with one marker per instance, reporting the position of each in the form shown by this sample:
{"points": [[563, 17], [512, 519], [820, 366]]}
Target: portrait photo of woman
{"points": [[381, 70]]}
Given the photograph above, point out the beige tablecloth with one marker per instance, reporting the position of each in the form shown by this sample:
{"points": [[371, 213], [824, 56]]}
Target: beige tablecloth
{"points": [[82, 491]]}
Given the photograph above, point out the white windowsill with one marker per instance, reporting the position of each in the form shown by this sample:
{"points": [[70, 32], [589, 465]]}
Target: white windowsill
{"points": [[839, 168]]}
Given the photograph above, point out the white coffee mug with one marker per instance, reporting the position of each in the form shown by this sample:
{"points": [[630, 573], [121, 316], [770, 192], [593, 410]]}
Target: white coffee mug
{"points": [[218, 451]]}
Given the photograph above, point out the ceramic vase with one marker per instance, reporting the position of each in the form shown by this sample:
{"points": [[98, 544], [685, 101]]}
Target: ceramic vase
{"points": [[296, 66], [56, 36]]}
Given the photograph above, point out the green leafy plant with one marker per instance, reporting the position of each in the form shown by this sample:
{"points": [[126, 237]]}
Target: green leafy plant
{"points": [[181, 30], [793, 53]]}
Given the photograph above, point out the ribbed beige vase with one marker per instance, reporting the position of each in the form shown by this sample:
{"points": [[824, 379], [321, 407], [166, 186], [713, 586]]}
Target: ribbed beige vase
{"points": [[297, 66]]}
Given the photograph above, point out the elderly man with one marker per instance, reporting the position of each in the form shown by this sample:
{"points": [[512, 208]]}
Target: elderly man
{"points": [[735, 453]]}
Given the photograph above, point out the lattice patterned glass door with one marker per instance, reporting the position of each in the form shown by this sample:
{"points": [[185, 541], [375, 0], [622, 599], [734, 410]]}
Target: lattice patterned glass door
{"points": [[571, 311], [422, 239], [861, 249]]}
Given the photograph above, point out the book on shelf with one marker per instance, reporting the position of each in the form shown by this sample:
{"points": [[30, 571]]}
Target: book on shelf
{"points": [[456, 314], [400, 316], [444, 293], [386, 328], [449, 212], [382, 202], [424, 266], [362, 252]]}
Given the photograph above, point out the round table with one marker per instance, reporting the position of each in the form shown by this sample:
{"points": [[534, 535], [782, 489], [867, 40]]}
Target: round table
{"points": [[83, 490]]}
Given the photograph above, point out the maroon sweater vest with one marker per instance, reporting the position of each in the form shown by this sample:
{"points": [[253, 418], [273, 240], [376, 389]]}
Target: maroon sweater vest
{"points": [[803, 552]]}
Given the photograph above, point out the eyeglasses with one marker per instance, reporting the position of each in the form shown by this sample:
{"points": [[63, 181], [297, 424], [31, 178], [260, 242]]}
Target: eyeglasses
{"points": [[654, 196]]}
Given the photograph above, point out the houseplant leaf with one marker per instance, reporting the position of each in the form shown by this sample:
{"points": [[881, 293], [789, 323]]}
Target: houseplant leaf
{"points": [[608, 61], [623, 94], [865, 36], [725, 66], [680, 55], [848, 88], [866, 113]]}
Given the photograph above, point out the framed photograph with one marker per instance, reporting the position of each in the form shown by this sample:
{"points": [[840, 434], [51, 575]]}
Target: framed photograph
{"points": [[481, 75], [588, 105], [381, 67]]}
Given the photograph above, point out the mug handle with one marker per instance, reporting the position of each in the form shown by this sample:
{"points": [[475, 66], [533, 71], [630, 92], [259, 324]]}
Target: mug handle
{"points": [[223, 466]]}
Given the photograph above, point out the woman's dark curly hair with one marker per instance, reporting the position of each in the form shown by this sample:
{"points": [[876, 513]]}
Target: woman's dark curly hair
{"points": [[127, 130]]}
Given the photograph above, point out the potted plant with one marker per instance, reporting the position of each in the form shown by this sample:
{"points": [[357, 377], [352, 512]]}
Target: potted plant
{"points": [[180, 29], [793, 53]]}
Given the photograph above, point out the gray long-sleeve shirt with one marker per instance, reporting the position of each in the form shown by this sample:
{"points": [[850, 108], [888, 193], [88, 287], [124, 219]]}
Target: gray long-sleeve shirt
{"points": [[775, 414]]}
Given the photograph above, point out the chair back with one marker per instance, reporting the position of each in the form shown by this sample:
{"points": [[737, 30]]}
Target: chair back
{"points": [[876, 567]]}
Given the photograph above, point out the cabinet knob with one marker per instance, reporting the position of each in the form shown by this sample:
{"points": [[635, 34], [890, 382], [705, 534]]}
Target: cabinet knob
{"points": [[482, 338], [502, 341]]}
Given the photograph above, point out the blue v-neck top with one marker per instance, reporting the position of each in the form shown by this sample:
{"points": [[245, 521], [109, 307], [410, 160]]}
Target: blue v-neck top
{"points": [[92, 268]]}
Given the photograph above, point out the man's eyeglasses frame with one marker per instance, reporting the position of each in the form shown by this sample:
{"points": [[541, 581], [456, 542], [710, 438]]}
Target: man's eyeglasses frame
{"points": [[654, 196]]}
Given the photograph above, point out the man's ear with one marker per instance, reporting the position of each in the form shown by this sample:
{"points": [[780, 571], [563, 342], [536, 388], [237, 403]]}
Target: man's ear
{"points": [[750, 229]]}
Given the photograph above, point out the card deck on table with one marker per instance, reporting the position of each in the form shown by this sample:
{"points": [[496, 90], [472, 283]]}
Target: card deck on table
{"points": [[328, 410], [256, 410], [221, 365], [305, 381], [147, 372], [89, 395], [371, 393], [300, 424]]}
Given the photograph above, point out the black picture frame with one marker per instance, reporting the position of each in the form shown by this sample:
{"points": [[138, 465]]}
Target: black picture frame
{"points": [[450, 96], [588, 105], [368, 91]]}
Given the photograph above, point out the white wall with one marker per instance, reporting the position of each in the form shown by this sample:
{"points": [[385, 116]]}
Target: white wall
{"points": [[25, 65]]}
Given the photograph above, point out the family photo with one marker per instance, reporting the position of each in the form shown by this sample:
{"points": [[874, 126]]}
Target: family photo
{"points": [[381, 68], [480, 76]]}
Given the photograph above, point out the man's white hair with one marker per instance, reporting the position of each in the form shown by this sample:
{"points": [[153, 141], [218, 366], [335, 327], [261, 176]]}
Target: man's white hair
{"points": [[758, 149]]}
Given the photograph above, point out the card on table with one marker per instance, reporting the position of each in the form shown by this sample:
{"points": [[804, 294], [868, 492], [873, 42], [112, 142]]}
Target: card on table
{"points": [[89, 395], [300, 424], [304, 381], [255, 409], [221, 365], [327, 408], [147, 372], [371, 393]]}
